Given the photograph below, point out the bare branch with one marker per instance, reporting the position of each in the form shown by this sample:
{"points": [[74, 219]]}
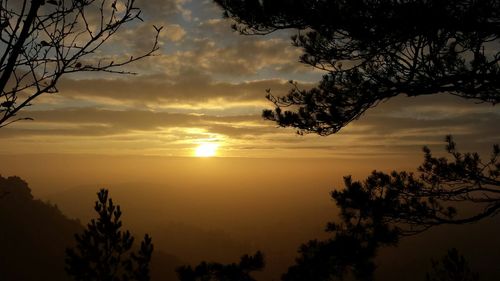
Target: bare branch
{"points": [[43, 41]]}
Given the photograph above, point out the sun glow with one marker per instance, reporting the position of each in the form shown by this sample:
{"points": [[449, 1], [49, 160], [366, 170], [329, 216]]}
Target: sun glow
{"points": [[206, 150]]}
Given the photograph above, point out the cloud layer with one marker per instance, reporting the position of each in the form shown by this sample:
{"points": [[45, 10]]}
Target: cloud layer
{"points": [[208, 84]]}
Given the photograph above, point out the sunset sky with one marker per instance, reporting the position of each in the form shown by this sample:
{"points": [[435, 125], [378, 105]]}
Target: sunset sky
{"points": [[207, 85], [183, 149]]}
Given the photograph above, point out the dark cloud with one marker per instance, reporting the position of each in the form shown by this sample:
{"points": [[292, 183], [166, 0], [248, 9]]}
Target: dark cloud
{"points": [[186, 88], [427, 120], [169, 10], [95, 122]]}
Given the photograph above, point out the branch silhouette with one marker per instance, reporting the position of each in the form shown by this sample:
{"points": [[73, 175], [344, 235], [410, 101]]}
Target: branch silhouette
{"points": [[372, 51], [41, 41], [415, 203], [381, 210]]}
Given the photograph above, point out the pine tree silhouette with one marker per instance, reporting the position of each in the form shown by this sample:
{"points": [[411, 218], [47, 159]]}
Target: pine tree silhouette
{"points": [[103, 251]]}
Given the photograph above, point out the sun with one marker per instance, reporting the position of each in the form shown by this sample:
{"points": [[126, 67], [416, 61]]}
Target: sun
{"points": [[206, 150]]}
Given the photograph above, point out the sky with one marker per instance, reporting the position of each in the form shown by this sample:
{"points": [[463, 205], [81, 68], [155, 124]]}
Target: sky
{"points": [[207, 84], [138, 135]]}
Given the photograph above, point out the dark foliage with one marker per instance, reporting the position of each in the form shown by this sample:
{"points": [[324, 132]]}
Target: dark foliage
{"points": [[385, 207], [350, 252], [375, 50], [415, 203], [103, 251], [207, 271], [452, 267]]}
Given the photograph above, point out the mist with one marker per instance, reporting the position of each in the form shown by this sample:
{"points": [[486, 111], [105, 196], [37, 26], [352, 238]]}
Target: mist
{"points": [[216, 209]]}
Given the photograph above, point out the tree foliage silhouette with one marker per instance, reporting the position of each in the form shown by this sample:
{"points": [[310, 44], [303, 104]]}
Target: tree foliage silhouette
{"points": [[372, 51], [375, 50], [103, 251], [415, 203], [385, 207], [452, 267], [206, 271], [43, 40], [350, 252], [355, 240]]}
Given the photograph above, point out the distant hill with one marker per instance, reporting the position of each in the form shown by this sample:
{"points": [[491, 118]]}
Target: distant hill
{"points": [[35, 234]]}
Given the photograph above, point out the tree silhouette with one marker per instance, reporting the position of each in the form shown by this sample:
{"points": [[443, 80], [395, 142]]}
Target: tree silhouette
{"points": [[452, 267], [375, 50], [415, 203], [350, 252], [385, 207], [362, 230], [221, 272], [103, 251], [372, 51], [40, 41]]}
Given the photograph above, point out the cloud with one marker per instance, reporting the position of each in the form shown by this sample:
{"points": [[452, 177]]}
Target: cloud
{"points": [[163, 9], [189, 88], [208, 82], [95, 122], [208, 46], [380, 132], [141, 37], [174, 32], [237, 58]]}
